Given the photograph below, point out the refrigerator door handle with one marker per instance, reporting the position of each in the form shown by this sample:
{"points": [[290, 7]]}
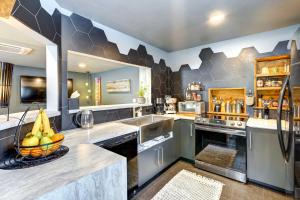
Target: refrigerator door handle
{"points": [[285, 150], [279, 114]]}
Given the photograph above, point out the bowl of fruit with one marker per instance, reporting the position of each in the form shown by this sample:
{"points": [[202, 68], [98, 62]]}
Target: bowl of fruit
{"points": [[41, 141]]}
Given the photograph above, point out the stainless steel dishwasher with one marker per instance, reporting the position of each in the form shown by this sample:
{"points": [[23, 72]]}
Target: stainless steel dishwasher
{"points": [[127, 146]]}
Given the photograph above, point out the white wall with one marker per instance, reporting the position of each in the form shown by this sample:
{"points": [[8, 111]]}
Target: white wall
{"points": [[263, 42]]}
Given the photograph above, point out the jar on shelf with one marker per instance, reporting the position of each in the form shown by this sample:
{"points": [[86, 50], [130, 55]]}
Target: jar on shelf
{"points": [[260, 83], [268, 83], [265, 70]]}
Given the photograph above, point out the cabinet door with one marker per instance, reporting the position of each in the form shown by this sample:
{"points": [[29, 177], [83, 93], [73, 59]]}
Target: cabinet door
{"points": [[168, 153], [148, 164], [187, 137], [177, 140], [265, 162]]}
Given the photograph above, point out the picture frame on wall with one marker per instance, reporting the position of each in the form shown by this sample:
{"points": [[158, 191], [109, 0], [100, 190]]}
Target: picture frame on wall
{"points": [[118, 86]]}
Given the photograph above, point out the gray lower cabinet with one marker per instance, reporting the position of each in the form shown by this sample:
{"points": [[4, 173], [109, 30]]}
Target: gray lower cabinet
{"points": [[265, 163], [155, 159], [148, 164], [187, 139], [177, 140]]}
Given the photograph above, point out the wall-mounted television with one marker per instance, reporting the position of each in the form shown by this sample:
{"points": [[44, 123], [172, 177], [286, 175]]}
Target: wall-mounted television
{"points": [[33, 89]]}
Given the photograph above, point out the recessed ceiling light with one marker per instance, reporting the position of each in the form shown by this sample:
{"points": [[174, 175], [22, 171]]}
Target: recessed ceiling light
{"points": [[216, 18], [82, 65]]}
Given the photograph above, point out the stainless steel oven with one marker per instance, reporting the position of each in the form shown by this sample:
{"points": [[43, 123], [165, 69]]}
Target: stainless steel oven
{"points": [[220, 147]]}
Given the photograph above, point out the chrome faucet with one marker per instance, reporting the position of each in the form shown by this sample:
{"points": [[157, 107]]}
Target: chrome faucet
{"points": [[137, 112]]}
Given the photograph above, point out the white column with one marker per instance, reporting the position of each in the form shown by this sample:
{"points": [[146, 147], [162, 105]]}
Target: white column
{"points": [[52, 77]]}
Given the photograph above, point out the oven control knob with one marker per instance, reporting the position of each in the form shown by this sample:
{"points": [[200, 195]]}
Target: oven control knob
{"points": [[239, 124], [232, 124]]}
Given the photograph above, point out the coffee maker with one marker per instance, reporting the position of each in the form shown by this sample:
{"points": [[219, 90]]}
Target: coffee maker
{"points": [[170, 105], [159, 106]]}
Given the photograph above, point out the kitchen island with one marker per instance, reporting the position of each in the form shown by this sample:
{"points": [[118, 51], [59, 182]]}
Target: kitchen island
{"points": [[85, 172]]}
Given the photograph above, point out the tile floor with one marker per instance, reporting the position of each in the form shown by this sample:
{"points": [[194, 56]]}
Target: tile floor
{"points": [[232, 190]]}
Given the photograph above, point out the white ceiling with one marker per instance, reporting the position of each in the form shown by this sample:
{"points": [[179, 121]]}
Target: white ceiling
{"points": [[178, 24], [11, 35], [93, 64]]}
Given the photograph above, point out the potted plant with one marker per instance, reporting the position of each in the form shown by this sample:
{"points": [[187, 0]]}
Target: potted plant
{"points": [[141, 95]]}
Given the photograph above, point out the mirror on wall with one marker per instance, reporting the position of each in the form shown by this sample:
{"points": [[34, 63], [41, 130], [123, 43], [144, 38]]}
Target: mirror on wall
{"points": [[101, 81], [26, 51]]}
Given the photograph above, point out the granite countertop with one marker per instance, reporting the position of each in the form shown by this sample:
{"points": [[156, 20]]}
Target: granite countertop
{"points": [[83, 159]]}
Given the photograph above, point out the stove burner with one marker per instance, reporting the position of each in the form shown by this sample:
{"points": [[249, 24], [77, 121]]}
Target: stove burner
{"points": [[15, 162]]}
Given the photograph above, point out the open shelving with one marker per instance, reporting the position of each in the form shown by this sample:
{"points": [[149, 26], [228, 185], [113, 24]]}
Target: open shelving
{"points": [[270, 68], [225, 94]]}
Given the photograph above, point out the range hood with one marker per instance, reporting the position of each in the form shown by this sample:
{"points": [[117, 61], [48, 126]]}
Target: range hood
{"points": [[9, 48]]}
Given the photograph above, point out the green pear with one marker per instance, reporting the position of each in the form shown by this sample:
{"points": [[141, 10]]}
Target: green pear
{"points": [[30, 141], [44, 141]]}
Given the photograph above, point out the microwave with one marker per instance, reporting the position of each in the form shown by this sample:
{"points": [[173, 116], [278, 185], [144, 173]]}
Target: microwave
{"points": [[191, 107]]}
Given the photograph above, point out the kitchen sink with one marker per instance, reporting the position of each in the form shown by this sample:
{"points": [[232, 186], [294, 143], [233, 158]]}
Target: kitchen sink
{"points": [[151, 126]]}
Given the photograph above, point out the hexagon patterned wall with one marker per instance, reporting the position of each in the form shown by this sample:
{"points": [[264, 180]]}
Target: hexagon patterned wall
{"points": [[77, 33]]}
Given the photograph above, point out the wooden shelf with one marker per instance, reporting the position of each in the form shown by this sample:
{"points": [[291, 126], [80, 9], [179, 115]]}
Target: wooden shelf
{"points": [[271, 75], [272, 108], [229, 114], [297, 119], [268, 88], [272, 58], [278, 67]]}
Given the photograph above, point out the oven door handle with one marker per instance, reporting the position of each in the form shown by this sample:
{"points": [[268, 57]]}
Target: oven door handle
{"points": [[221, 130]]}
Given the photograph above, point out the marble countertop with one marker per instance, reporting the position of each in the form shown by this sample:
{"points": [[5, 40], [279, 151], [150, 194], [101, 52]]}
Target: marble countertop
{"points": [[265, 124], [83, 159], [14, 118], [181, 116], [110, 107]]}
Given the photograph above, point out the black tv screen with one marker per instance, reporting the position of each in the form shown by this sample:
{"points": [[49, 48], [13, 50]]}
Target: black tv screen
{"points": [[33, 89]]}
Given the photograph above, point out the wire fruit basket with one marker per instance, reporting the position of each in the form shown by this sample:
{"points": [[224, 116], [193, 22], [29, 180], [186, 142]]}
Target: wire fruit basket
{"points": [[40, 141]]}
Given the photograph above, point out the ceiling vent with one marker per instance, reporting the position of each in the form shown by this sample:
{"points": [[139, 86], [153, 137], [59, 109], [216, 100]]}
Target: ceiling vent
{"points": [[9, 48]]}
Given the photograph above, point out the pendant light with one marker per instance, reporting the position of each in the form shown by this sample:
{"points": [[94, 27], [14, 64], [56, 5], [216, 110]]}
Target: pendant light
{"points": [[6, 72]]}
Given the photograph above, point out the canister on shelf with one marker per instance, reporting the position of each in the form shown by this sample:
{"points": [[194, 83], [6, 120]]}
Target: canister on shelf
{"points": [[259, 102]]}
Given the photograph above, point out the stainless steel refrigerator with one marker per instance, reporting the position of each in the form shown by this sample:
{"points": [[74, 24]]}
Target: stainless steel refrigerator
{"points": [[288, 119]]}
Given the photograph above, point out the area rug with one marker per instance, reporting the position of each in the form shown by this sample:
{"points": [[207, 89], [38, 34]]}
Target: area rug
{"points": [[187, 185], [216, 155]]}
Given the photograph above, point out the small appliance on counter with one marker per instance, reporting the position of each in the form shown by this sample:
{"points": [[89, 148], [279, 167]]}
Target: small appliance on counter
{"points": [[170, 105], [159, 106], [86, 119], [191, 107]]}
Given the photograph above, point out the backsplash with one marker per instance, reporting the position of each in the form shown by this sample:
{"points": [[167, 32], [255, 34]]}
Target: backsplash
{"points": [[217, 71]]}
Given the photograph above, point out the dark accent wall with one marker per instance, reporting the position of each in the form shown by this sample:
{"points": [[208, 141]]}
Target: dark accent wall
{"points": [[218, 71], [77, 33]]}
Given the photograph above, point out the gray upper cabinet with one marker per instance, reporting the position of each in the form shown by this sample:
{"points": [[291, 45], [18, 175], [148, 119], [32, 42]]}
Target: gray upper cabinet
{"points": [[265, 163], [187, 139]]}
